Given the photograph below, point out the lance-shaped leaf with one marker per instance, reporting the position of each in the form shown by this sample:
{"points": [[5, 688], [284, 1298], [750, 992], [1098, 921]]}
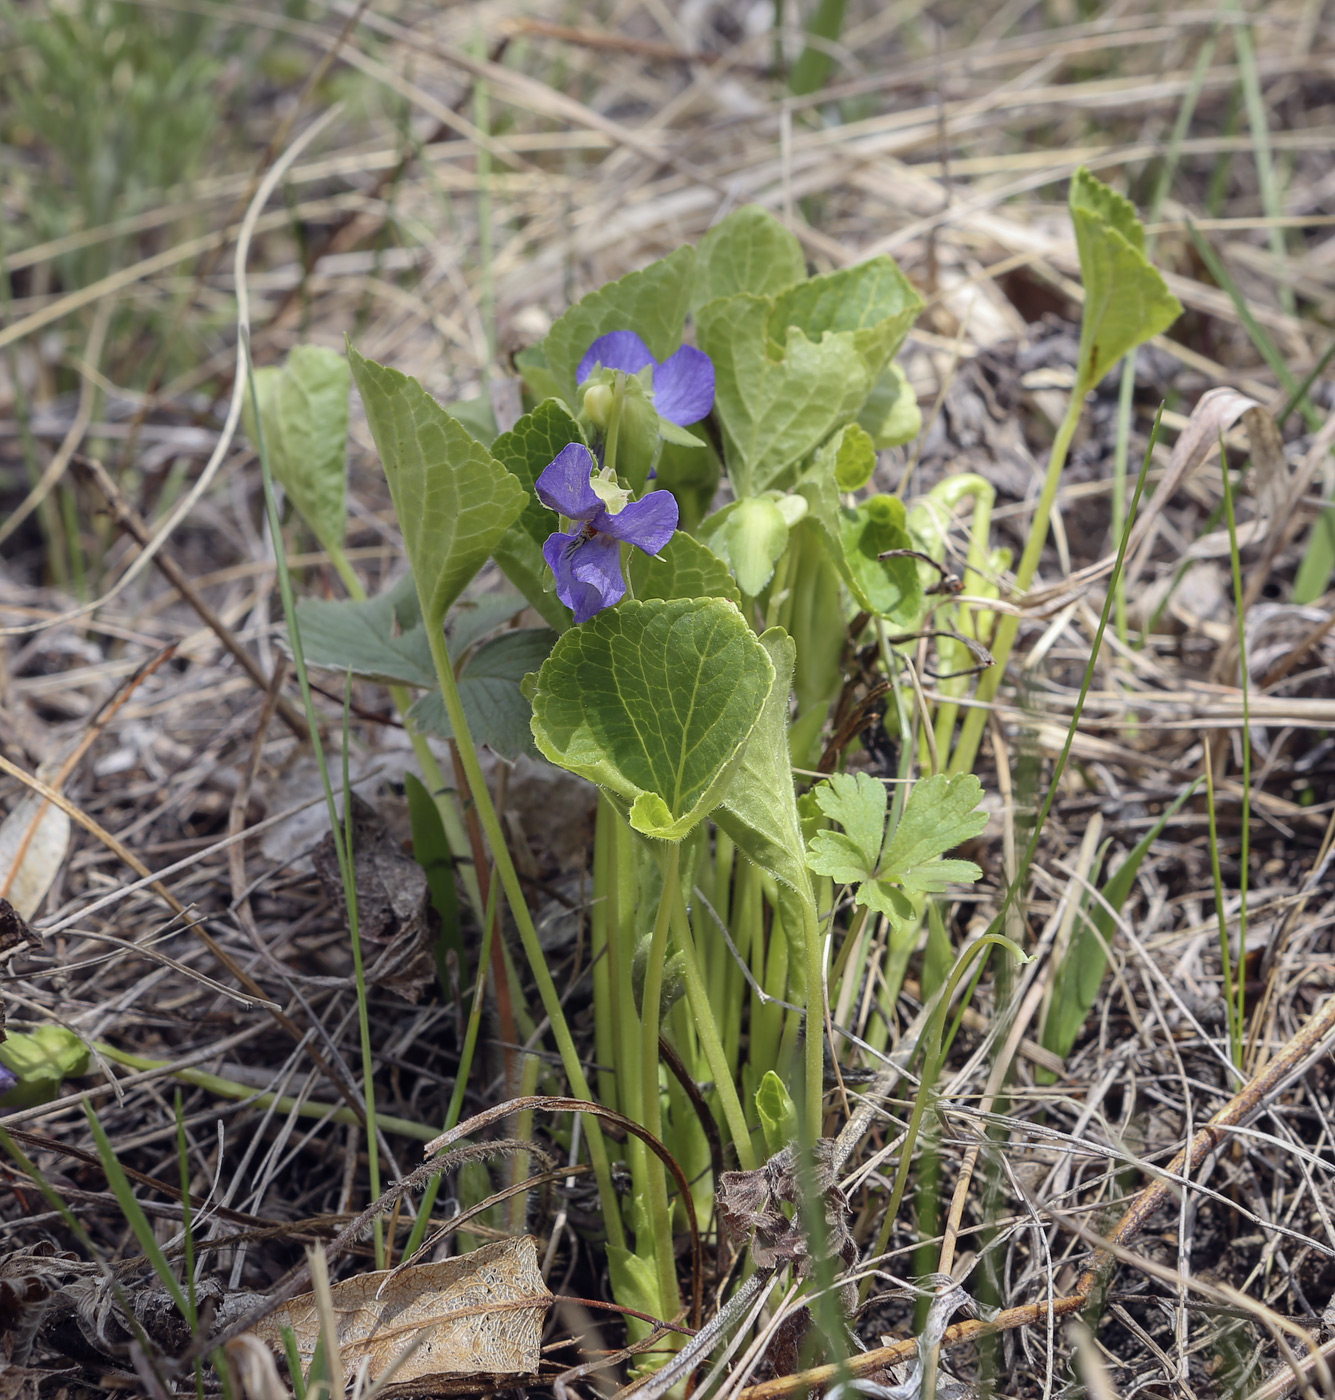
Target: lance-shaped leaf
{"points": [[759, 810], [304, 414], [1126, 299], [651, 302], [654, 701], [777, 392], [873, 302], [454, 500], [749, 251], [527, 450]]}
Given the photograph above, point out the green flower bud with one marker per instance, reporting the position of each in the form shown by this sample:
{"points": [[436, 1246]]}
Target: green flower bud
{"points": [[598, 404]]}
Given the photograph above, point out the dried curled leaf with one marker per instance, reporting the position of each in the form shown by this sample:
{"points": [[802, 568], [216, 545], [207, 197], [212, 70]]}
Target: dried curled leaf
{"points": [[460, 1326]]}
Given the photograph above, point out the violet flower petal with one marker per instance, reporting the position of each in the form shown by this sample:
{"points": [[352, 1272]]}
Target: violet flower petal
{"points": [[564, 486], [622, 350], [684, 386], [8, 1079], [588, 572], [648, 523]]}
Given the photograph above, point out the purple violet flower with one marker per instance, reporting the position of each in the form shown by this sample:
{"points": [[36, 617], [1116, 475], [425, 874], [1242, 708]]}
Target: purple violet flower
{"points": [[8, 1079], [587, 560], [683, 386]]}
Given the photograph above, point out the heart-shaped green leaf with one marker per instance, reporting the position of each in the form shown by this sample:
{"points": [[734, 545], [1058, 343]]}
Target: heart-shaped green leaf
{"points": [[683, 568], [749, 251], [304, 414], [454, 500], [526, 450], [652, 302], [873, 302], [775, 397], [654, 701], [1126, 299]]}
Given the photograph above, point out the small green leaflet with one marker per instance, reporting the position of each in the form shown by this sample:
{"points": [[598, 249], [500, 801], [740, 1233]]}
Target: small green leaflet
{"points": [[655, 702], [749, 251], [304, 414], [752, 534], [940, 813], [454, 500], [652, 302], [1126, 299], [891, 414]]}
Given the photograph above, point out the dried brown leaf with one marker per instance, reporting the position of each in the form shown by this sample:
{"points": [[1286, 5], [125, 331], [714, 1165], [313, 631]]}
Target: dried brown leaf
{"points": [[460, 1326], [34, 838]]}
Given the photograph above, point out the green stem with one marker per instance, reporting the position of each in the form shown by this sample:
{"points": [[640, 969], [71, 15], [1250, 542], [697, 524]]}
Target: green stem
{"points": [[231, 1089], [651, 1103], [971, 733], [710, 1040], [514, 893]]}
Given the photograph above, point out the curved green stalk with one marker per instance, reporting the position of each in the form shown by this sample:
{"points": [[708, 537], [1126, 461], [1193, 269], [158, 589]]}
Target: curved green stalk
{"points": [[961, 761]]}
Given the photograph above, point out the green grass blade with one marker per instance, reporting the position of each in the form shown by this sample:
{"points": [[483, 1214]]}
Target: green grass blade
{"points": [[134, 1214]]}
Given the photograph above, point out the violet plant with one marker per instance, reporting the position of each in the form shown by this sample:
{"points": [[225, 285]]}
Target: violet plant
{"points": [[695, 675]]}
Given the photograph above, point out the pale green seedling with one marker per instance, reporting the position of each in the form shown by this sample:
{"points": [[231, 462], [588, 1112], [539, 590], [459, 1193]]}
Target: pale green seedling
{"points": [[1127, 302]]}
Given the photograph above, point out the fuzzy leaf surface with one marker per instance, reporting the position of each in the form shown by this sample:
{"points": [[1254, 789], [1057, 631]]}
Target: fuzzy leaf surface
{"points": [[759, 809]]}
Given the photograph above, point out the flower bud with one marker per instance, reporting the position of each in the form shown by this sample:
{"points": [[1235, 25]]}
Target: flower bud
{"points": [[598, 404]]}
